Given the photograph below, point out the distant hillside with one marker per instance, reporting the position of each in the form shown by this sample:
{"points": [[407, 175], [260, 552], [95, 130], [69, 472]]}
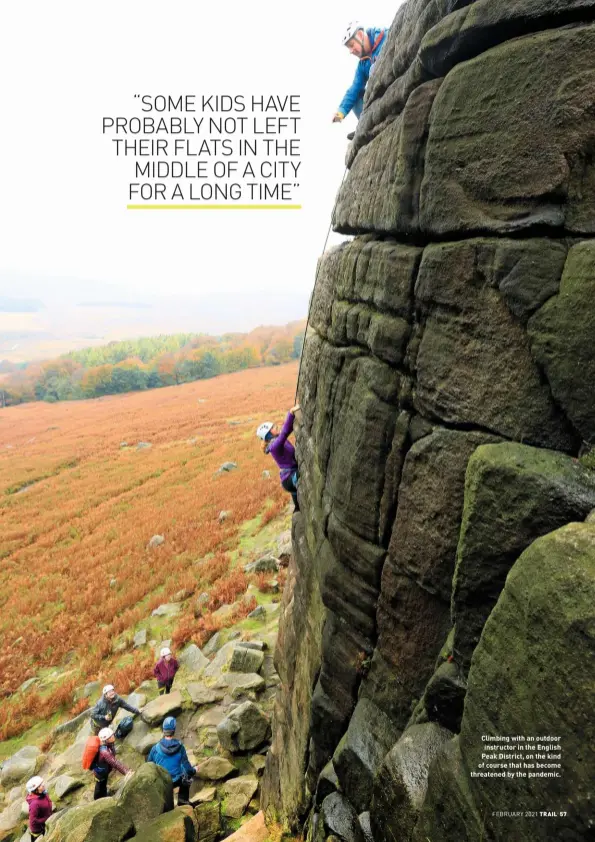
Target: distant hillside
{"points": [[148, 363]]}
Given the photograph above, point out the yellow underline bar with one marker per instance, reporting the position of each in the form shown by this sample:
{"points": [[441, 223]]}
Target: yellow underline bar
{"points": [[213, 207]]}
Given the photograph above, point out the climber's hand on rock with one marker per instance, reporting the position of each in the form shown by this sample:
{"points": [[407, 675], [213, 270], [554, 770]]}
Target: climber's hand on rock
{"points": [[338, 117], [295, 409]]}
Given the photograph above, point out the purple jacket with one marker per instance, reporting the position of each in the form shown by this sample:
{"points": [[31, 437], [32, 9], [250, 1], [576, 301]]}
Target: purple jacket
{"points": [[282, 451], [40, 809], [165, 670]]}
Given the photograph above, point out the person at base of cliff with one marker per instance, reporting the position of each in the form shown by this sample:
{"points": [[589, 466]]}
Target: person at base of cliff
{"points": [[40, 806], [104, 711], [170, 754], [165, 670], [105, 761], [274, 441], [366, 45]]}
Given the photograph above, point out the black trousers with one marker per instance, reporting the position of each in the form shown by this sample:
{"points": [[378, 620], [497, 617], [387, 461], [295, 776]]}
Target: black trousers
{"points": [[183, 791], [100, 789], [290, 486], [164, 686]]}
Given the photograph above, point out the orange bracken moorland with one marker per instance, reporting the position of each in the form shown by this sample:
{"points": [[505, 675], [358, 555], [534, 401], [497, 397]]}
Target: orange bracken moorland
{"points": [[78, 508]]}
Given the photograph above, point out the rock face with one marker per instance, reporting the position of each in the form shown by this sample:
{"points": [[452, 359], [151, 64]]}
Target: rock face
{"points": [[446, 387]]}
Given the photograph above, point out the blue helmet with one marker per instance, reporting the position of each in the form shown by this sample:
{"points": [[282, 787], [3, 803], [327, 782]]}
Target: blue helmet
{"points": [[169, 724]]}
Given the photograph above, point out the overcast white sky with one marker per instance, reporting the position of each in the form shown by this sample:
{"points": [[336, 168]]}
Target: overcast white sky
{"points": [[67, 64]]}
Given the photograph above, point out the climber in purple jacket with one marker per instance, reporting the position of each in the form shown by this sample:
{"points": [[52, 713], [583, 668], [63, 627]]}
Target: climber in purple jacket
{"points": [[283, 452]]}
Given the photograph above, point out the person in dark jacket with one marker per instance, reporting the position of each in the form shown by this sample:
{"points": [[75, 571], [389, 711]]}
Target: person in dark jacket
{"points": [[103, 713], [165, 670], [40, 806], [170, 754], [283, 452], [105, 762]]}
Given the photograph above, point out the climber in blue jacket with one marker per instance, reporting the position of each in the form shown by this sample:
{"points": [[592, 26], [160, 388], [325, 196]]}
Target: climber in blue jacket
{"points": [[170, 754], [366, 44]]}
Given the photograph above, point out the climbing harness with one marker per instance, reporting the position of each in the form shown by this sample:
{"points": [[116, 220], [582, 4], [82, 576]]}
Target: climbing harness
{"points": [[297, 388]]}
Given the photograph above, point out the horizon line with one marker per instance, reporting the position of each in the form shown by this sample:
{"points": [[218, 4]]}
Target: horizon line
{"points": [[213, 207]]}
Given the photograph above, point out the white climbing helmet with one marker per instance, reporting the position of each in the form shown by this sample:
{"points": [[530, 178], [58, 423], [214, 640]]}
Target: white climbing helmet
{"points": [[165, 651], [264, 430], [352, 29], [34, 783], [107, 689], [105, 734]]}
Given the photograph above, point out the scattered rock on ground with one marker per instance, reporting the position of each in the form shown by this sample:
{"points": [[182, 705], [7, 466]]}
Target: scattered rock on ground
{"points": [[215, 769], [64, 784], [264, 564], [193, 659], [168, 609], [246, 660], [148, 794], [245, 728], [203, 695], [20, 766], [169, 705], [156, 541], [238, 794], [140, 638], [258, 613]]}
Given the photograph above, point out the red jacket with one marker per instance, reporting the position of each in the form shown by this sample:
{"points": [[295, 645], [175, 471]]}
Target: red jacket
{"points": [[165, 670], [40, 809]]}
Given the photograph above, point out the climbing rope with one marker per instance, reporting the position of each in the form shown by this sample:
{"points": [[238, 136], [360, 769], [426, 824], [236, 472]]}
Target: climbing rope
{"points": [[319, 264]]}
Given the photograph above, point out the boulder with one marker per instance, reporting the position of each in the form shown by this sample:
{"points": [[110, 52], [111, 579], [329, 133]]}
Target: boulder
{"points": [[220, 662], [401, 785], [20, 766], [143, 445], [208, 817], [214, 643], [260, 645], [238, 794], [254, 830], [530, 675], [193, 659], [264, 564], [259, 613], [203, 695], [328, 782], [72, 724], [11, 816], [179, 825], [92, 688], [63, 785], [223, 515], [366, 826], [147, 794], [258, 763], [340, 819], [245, 728], [168, 609], [203, 796], [200, 605], [141, 738], [246, 660], [215, 769], [227, 466], [168, 705], [156, 541], [513, 494], [140, 638], [101, 821], [361, 751]]}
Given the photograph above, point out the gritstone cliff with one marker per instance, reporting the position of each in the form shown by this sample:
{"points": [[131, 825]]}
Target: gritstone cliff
{"points": [[443, 585]]}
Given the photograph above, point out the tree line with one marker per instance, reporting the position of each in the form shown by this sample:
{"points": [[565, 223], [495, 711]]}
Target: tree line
{"points": [[149, 363]]}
